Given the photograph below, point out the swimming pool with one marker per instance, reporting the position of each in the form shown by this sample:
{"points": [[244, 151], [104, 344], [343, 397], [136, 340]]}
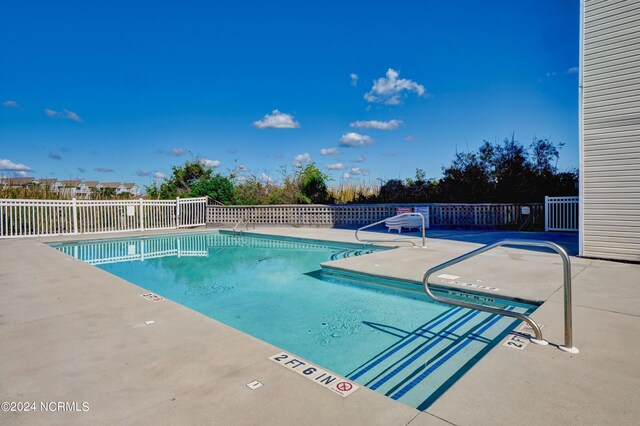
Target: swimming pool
{"points": [[387, 337]]}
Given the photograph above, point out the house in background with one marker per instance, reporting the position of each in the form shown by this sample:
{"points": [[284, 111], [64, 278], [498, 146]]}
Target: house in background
{"points": [[128, 188], [16, 182], [86, 189], [66, 188], [107, 188], [45, 184]]}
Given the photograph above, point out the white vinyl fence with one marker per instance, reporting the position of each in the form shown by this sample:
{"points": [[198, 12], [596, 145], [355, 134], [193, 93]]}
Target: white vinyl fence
{"points": [[561, 213], [30, 218]]}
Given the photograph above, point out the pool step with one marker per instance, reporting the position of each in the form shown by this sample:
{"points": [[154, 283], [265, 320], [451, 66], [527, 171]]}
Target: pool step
{"points": [[422, 362]]}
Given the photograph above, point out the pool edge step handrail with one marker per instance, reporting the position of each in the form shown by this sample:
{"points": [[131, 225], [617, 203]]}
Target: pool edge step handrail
{"points": [[566, 266], [242, 224], [396, 240]]}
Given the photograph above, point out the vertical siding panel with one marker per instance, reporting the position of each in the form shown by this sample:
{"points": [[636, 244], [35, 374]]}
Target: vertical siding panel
{"points": [[610, 130]]}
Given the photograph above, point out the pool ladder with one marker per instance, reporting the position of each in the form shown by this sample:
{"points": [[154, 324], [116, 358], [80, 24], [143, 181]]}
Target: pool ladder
{"points": [[243, 224], [566, 265], [397, 240]]}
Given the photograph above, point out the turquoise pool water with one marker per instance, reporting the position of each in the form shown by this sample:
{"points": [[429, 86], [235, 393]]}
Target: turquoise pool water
{"points": [[392, 340]]}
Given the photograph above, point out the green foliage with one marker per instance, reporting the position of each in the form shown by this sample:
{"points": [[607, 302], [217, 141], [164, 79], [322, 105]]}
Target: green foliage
{"points": [[217, 187], [497, 172], [249, 191], [193, 179], [312, 185]]}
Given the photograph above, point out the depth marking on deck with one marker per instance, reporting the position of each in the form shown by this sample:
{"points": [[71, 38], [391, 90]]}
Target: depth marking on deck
{"points": [[322, 377], [471, 285], [152, 297], [448, 277], [518, 339]]}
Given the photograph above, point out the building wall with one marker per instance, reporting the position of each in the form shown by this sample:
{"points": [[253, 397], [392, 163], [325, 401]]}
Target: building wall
{"points": [[610, 129]]}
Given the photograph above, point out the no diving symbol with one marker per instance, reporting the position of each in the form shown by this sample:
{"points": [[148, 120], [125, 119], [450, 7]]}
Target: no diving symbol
{"points": [[344, 386]]}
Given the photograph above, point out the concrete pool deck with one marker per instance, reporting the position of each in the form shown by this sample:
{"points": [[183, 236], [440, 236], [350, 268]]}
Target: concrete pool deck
{"points": [[72, 332]]}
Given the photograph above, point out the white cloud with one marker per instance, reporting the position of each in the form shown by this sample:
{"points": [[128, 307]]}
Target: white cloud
{"points": [[64, 114], [336, 166], [329, 151], [379, 125], [355, 139], [266, 178], [7, 165], [354, 79], [359, 159], [159, 175], [571, 70], [177, 152], [300, 159], [346, 176], [276, 120], [11, 104], [20, 174], [70, 115], [210, 163], [389, 90], [409, 138], [358, 171]]}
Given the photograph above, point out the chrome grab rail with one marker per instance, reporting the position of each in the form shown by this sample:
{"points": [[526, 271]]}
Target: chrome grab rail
{"points": [[396, 240], [566, 265], [242, 224]]}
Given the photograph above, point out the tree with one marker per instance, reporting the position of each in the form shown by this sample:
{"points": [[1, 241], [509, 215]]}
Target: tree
{"points": [[193, 179], [313, 185], [217, 187], [466, 180]]}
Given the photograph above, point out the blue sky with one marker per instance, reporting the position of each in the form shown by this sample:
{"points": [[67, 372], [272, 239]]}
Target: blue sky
{"points": [[120, 91]]}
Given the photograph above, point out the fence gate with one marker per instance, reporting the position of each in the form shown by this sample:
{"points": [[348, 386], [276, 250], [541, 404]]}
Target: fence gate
{"points": [[561, 213], [192, 212]]}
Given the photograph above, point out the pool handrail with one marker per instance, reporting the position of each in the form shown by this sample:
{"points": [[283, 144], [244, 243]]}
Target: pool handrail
{"points": [[405, 240], [242, 224], [566, 265]]}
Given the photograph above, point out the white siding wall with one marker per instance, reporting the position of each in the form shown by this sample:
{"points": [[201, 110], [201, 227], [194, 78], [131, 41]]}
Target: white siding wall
{"points": [[610, 129]]}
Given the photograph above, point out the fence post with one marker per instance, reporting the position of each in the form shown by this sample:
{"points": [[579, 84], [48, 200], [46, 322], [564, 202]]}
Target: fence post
{"points": [[546, 213], [75, 215], [141, 215], [177, 212]]}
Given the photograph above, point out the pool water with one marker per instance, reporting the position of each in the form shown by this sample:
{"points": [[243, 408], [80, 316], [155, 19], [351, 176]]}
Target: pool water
{"points": [[390, 339]]}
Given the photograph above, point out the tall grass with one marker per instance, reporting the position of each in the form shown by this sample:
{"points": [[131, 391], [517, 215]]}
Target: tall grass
{"points": [[355, 192], [37, 192]]}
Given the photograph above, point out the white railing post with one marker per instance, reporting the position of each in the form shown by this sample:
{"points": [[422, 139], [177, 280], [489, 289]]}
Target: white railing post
{"points": [[546, 213], [177, 212], [141, 215], [75, 215]]}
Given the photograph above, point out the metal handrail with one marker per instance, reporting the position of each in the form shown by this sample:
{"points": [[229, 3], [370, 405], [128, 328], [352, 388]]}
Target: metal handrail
{"points": [[243, 223], [396, 240], [566, 265]]}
